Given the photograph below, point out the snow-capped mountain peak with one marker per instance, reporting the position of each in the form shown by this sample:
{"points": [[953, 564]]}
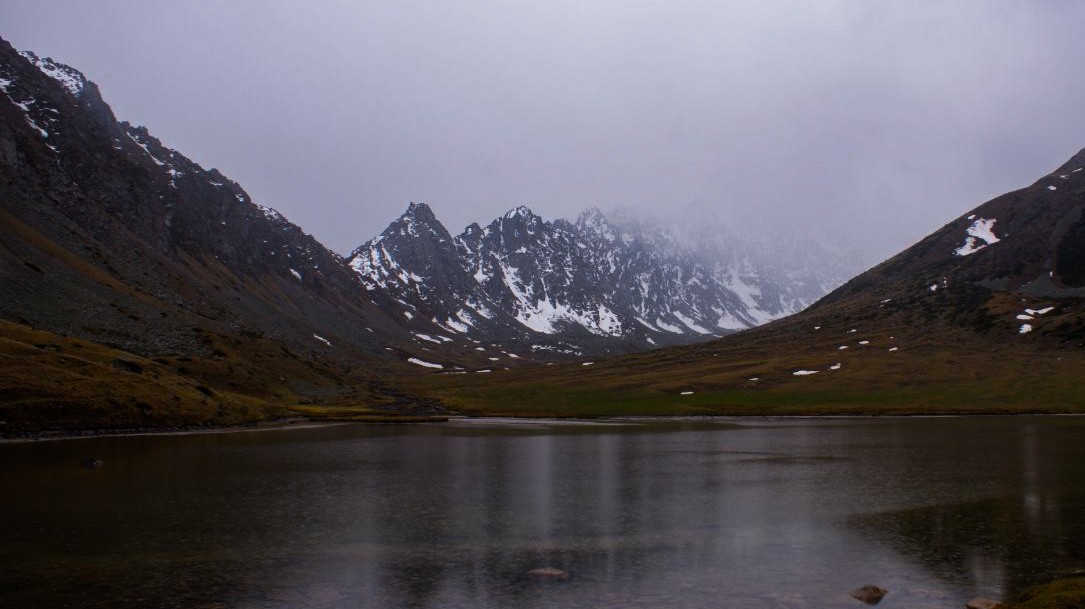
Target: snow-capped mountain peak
{"points": [[71, 79], [587, 283], [592, 222], [520, 211]]}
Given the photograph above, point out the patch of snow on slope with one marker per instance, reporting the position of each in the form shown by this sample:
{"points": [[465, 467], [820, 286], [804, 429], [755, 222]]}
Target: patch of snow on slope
{"points": [[456, 325], [609, 322], [481, 309], [749, 295], [542, 316], [268, 212], [539, 317], [982, 229], [380, 267], [25, 107], [296, 274], [70, 79], [1025, 329], [148, 151], [646, 324], [689, 323], [30, 121], [322, 339], [804, 372], [418, 362], [668, 327], [729, 321]]}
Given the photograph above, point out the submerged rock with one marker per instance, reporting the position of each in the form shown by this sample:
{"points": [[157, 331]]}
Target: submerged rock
{"points": [[548, 573], [91, 463], [871, 595]]}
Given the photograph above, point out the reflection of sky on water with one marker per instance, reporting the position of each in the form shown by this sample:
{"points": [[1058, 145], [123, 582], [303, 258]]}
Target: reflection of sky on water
{"points": [[788, 513], [1026, 532]]}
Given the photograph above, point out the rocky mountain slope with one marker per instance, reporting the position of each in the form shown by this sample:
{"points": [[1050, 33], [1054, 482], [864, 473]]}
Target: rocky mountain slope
{"points": [[140, 289], [108, 236], [584, 287], [987, 314], [165, 274]]}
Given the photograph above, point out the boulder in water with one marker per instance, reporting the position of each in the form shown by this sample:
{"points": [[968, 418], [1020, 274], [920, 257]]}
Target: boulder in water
{"points": [[548, 573], [871, 595]]}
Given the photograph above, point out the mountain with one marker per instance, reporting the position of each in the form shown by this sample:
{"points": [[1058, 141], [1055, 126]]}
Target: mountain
{"points": [[141, 289], [985, 315], [199, 305], [1030, 241], [585, 287], [138, 289]]}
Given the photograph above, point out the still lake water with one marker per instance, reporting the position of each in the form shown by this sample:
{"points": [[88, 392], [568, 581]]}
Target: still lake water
{"points": [[643, 513]]}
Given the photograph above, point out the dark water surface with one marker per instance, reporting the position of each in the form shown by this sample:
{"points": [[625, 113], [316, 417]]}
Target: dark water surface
{"points": [[690, 513]]}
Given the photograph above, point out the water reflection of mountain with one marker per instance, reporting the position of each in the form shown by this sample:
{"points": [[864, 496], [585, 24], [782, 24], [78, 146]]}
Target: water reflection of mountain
{"points": [[1009, 542], [758, 513]]}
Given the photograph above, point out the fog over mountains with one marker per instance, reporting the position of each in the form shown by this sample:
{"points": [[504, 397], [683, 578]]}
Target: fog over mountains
{"points": [[591, 280], [132, 276], [187, 251]]}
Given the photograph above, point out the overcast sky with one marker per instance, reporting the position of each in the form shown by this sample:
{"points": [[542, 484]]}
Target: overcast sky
{"points": [[870, 122]]}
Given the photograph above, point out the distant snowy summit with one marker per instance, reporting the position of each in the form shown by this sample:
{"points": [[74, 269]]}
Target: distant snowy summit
{"points": [[518, 289], [626, 284]]}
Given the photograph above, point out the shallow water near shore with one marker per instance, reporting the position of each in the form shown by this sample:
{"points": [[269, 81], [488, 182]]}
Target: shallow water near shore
{"points": [[639, 513]]}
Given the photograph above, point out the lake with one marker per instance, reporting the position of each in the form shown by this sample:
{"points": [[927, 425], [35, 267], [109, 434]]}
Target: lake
{"points": [[638, 513]]}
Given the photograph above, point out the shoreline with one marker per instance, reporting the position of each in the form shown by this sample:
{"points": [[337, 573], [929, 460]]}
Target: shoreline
{"points": [[273, 425], [496, 419]]}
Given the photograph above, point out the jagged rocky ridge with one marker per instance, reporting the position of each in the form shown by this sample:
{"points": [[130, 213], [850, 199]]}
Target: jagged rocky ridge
{"points": [[112, 194], [111, 236], [986, 315], [107, 235], [569, 287]]}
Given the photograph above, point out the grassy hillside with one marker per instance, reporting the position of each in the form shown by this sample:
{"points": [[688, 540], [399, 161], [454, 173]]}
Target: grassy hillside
{"points": [[866, 357], [54, 382]]}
